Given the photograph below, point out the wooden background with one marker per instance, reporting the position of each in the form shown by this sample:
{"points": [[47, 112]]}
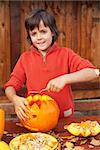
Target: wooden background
{"points": [[79, 27]]}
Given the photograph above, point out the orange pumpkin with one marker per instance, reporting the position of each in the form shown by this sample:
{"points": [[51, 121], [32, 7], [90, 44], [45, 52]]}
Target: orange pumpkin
{"points": [[43, 113], [2, 122]]}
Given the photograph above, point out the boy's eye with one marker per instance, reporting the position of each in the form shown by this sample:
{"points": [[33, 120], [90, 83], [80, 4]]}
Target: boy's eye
{"points": [[43, 31], [33, 33]]}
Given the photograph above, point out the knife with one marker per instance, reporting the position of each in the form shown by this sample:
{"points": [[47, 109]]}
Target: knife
{"points": [[37, 92]]}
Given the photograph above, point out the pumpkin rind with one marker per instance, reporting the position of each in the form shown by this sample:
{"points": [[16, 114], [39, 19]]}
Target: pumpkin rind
{"points": [[43, 113], [2, 122]]}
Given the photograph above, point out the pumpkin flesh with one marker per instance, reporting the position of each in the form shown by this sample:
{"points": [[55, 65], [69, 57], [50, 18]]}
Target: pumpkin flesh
{"points": [[84, 129]]}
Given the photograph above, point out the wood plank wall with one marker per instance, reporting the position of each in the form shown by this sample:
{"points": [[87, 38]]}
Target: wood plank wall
{"points": [[79, 27], [5, 65]]}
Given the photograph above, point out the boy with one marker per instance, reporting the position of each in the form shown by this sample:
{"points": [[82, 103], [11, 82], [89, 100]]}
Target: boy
{"points": [[47, 66]]}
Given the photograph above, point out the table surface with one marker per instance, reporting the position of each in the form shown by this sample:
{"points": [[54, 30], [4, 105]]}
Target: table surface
{"points": [[13, 129]]}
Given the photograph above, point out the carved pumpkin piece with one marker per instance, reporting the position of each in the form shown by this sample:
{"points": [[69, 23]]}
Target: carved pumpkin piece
{"points": [[2, 122], [85, 128], [43, 113], [34, 141]]}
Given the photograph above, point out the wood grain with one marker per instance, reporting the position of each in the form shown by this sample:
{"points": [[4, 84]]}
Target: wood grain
{"points": [[79, 26]]}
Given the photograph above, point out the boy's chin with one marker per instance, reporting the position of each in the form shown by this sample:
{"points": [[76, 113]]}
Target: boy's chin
{"points": [[42, 49]]}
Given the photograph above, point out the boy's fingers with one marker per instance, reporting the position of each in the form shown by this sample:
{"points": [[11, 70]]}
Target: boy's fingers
{"points": [[24, 108], [21, 116], [21, 110]]}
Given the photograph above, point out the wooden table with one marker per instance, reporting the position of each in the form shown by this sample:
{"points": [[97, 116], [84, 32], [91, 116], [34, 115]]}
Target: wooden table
{"points": [[13, 129]]}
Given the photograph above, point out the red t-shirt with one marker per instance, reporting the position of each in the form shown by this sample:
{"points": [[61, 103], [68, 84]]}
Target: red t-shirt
{"points": [[35, 71]]}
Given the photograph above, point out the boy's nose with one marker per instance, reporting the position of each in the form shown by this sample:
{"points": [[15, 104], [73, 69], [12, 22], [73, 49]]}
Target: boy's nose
{"points": [[38, 36]]}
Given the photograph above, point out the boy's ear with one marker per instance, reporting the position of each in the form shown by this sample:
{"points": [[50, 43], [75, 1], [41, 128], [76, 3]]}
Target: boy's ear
{"points": [[52, 34]]}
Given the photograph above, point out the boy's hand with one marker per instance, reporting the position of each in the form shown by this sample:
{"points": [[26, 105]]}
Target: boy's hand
{"points": [[56, 84], [20, 108]]}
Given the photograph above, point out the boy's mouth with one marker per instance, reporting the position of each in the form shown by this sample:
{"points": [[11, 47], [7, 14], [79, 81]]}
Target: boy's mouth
{"points": [[41, 43]]}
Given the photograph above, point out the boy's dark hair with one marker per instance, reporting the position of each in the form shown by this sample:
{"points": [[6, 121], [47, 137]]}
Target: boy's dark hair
{"points": [[34, 20]]}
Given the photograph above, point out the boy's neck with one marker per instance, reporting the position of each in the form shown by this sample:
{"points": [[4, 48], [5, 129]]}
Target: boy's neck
{"points": [[43, 53]]}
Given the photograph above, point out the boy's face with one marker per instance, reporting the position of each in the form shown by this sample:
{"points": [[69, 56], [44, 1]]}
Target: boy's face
{"points": [[42, 37]]}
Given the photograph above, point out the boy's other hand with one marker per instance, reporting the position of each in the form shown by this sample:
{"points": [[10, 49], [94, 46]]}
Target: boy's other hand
{"points": [[56, 84], [20, 107]]}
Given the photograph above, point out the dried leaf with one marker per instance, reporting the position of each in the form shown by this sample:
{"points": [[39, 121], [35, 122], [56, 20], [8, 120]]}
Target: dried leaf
{"points": [[95, 142], [68, 137], [91, 146], [74, 140], [79, 148], [69, 145], [83, 141], [5, 132]]}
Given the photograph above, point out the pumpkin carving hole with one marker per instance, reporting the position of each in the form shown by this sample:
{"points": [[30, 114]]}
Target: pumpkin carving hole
{"points": [[37, 102], [34, 116]]}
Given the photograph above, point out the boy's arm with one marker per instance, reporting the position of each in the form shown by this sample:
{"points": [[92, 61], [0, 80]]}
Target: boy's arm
{"points": [[10, 93], [83, 75]]}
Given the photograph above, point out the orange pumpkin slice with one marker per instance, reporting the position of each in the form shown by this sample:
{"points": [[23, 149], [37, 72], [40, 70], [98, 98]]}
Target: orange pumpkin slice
{"points": [[85, 128]]}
